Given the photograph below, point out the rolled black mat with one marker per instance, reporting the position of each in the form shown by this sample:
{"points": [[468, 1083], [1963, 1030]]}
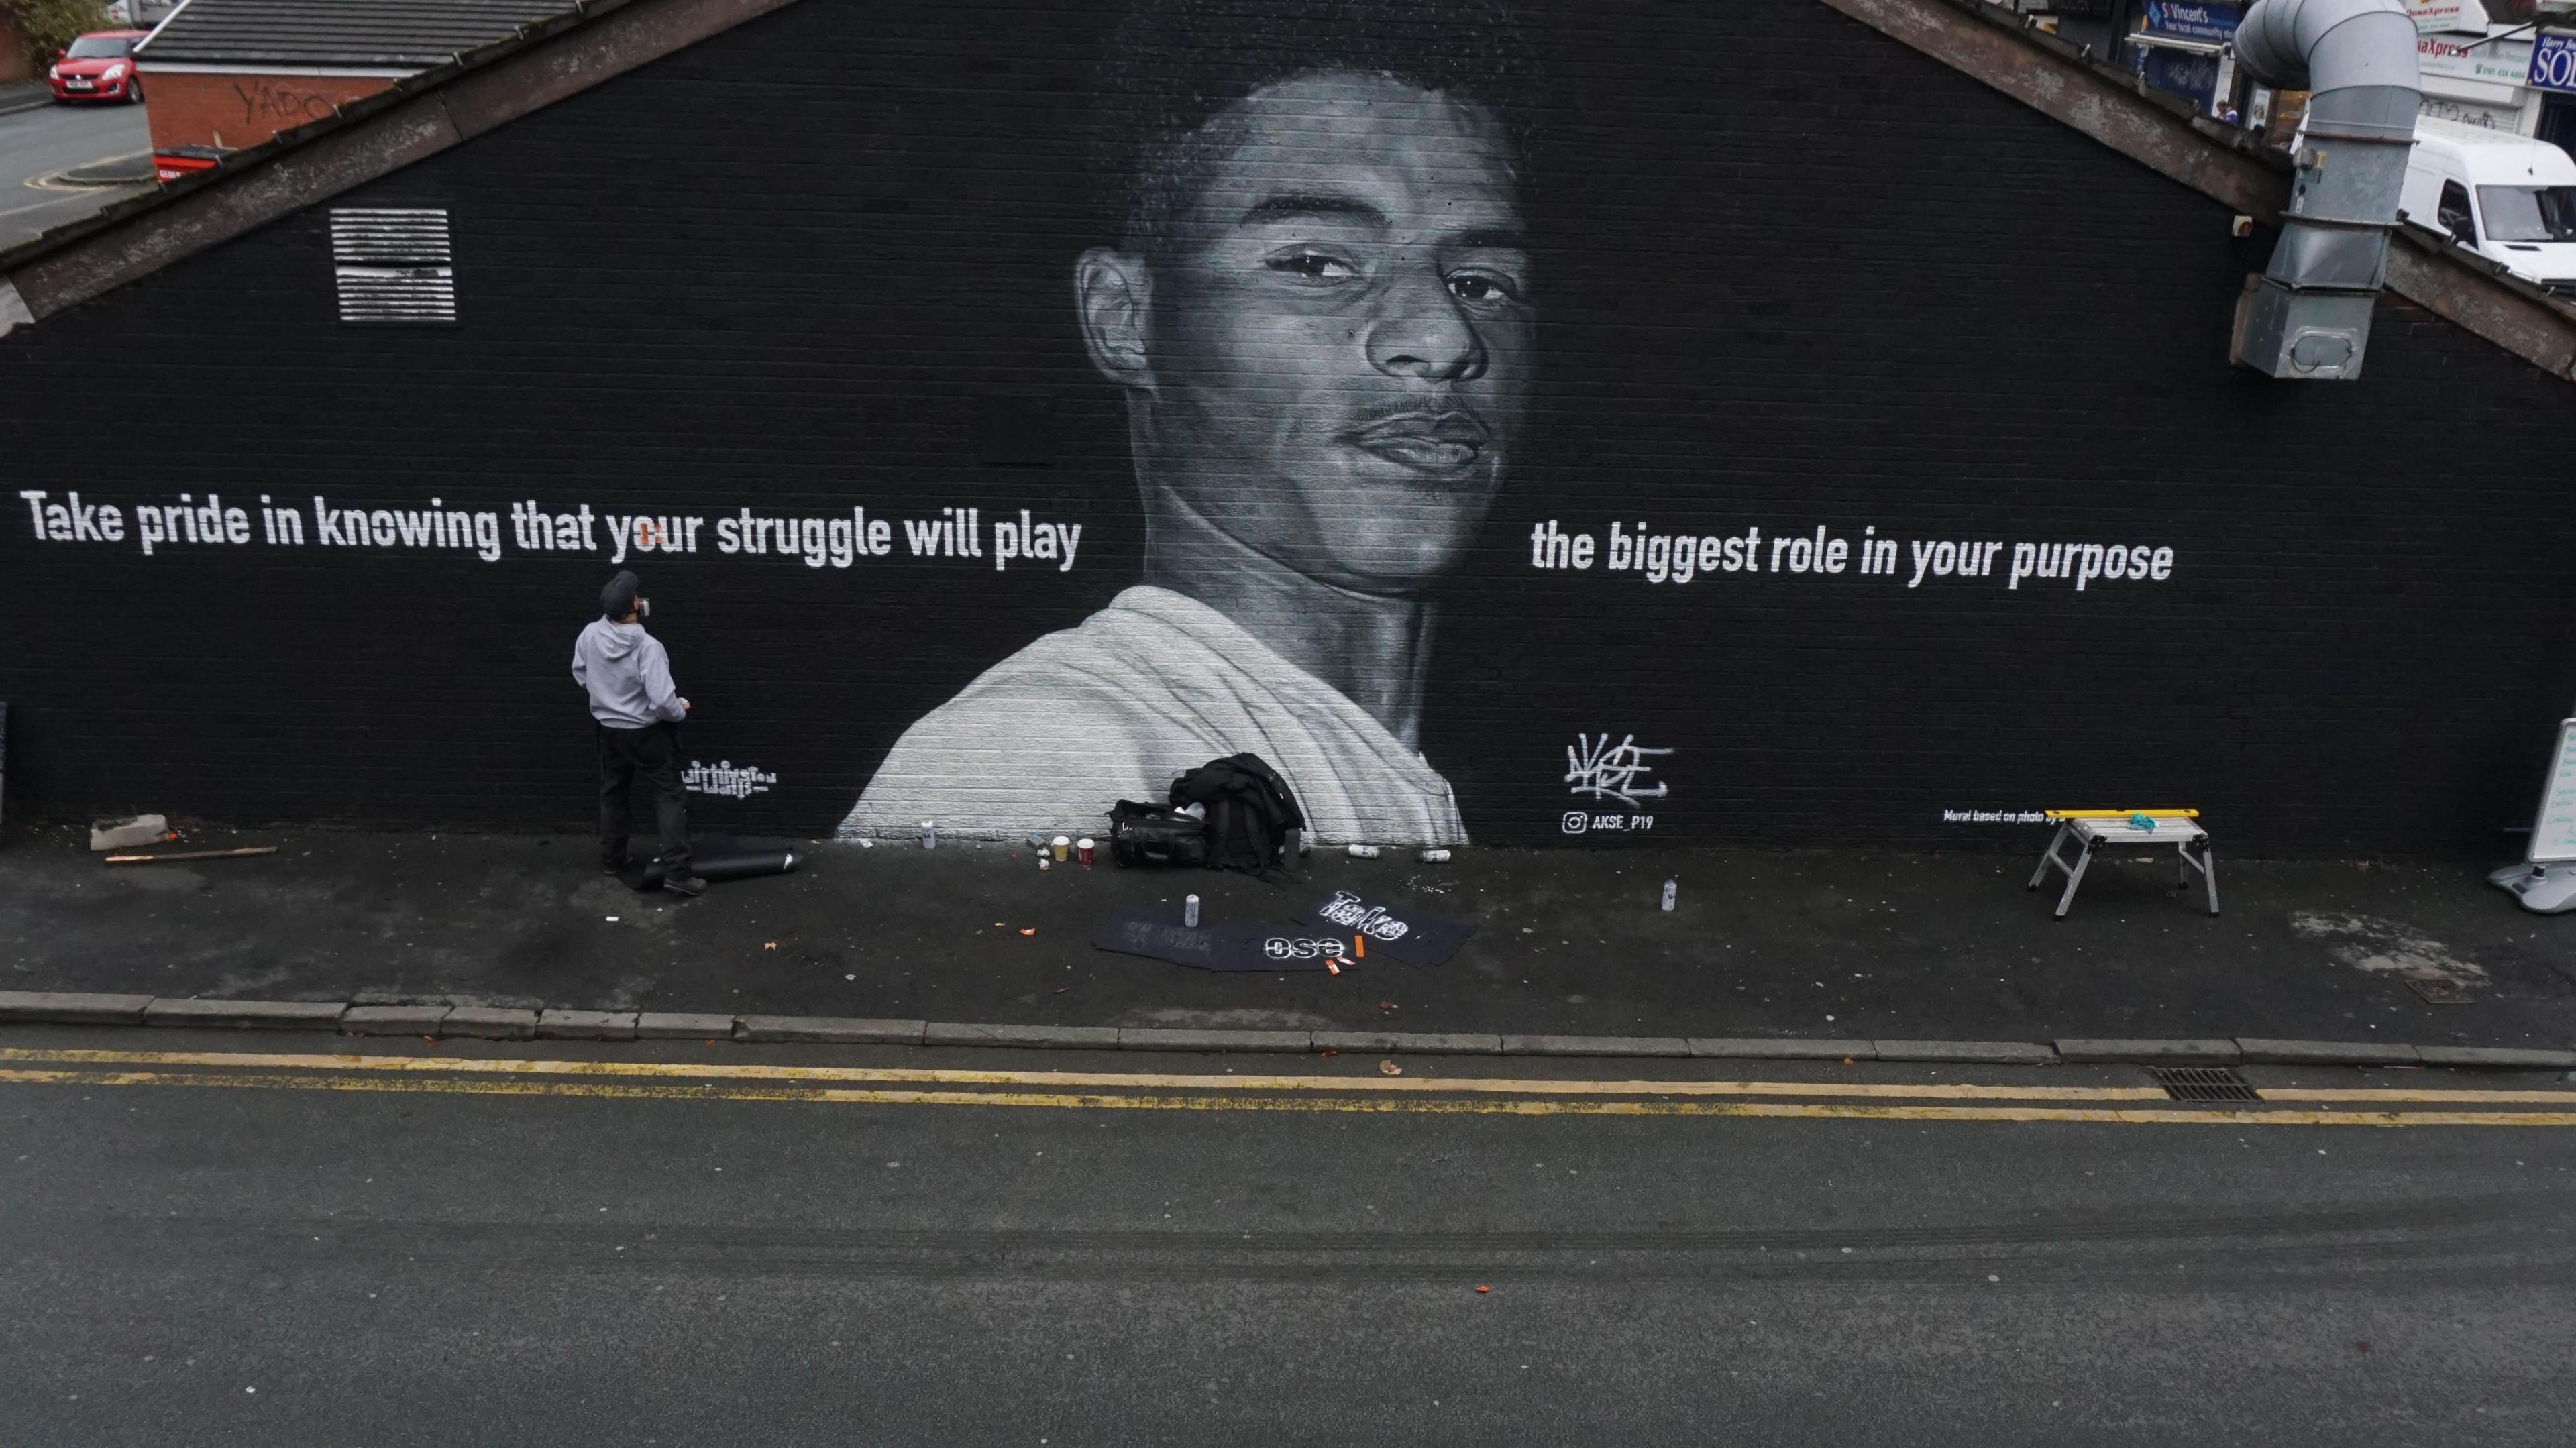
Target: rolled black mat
{"points": [[714, 859]]}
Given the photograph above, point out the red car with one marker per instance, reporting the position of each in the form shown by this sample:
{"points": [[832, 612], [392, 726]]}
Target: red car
{"points": [[99, 67]]}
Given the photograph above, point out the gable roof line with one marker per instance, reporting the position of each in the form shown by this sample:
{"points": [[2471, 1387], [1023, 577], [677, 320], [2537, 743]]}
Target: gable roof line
{"points": [[2221, 162], [413, 34], [602, 39], [481, 90]]}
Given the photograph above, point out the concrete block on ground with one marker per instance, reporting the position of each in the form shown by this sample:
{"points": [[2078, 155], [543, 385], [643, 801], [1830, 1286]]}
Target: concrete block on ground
{"points": [[489, 1023], [1595, 1046], [2504, 1056], [127, 832], [1151, 1038], [1463, 1043], [839, 1030], [273, 1015], [2151, 1052], [1997, 1053], [964, 1033], [1726, 1048], [682, 1025], [586, 1025], [2263, 1051], [392, 1020], [76, 1008]]}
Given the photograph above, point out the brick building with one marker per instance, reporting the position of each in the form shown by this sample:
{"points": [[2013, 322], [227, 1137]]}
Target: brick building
{"points": [[229, 74], [1852, 450]]}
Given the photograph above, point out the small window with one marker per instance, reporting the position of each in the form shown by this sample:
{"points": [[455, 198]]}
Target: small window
{"points": [[2455, 216]]}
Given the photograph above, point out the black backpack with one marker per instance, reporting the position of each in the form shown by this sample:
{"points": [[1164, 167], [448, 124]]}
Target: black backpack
{"points": [[1250, 811]]}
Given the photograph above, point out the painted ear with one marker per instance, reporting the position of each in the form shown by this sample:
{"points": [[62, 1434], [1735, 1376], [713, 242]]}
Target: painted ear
{"points": [[1113, 293]]}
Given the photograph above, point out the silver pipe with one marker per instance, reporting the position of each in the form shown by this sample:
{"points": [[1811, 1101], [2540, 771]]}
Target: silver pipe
{"points": [[2308, 316]]}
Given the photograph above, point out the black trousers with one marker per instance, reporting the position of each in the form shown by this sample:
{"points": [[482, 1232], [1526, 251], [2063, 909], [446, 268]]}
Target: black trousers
{"points": [[654, 754]]}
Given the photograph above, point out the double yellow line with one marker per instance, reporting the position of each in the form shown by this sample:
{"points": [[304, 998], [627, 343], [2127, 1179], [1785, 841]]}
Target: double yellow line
{"points": [[1148, 1091]]}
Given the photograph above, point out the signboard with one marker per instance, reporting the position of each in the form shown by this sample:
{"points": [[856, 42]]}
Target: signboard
{"points": [[2553, 832], [2188, 20], [2553, 63], [2183, 73], [2503, 63], [2432, 16]]}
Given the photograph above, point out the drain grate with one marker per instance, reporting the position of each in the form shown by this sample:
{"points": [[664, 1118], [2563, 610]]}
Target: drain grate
{"points": [[2204, 1083], [2442, 992]]}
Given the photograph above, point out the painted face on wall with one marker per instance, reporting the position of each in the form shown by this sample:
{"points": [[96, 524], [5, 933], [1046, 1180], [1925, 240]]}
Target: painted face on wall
{"points": [[1338, 344]]}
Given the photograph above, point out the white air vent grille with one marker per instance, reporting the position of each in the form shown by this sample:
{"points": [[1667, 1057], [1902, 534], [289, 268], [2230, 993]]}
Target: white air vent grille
{"points": [[393, 265]]}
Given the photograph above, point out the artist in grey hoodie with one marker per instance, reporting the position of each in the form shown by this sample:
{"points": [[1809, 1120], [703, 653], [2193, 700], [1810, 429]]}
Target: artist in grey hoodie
{"points": [[638, 712]]}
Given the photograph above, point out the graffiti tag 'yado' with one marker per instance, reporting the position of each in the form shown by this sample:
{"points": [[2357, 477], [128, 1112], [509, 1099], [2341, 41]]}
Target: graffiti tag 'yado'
{"points": [[1611, 771], [1346, 908]]}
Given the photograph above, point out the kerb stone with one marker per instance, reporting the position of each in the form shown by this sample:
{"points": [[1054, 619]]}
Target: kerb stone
{"points": [[840, 1030], [1755, 1049], [72, 1008], [1146, 1038], [586, 1025], [392, 1020], [2150, 1052], [270, 1015], [1991, 1053], [957, 1033], [2263, 1051], [682, 1025], [2529, 1057], [489, 1023], [1413, 1043], [1595, 1046]]}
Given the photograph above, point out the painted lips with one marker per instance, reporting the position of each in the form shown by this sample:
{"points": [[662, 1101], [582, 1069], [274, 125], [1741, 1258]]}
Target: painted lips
{"points": [[1430, 442]]}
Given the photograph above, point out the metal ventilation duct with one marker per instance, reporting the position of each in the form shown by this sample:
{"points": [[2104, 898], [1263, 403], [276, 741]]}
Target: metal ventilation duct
{"points": [[2309, 313]]}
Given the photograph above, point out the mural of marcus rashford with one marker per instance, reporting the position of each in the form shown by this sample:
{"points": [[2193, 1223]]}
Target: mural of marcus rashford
{"points": [[1320, 311]]}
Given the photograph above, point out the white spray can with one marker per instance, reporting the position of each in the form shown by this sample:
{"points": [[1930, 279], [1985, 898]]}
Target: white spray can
{"points": [[930, 834], [1190, 912], [1672, 888]]}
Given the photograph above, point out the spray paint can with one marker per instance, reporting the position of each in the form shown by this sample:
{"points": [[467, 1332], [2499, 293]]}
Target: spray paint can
{"points": [[1435, 857], [1190, 912], [930, 834], [1363, 852], [1672, 888]]}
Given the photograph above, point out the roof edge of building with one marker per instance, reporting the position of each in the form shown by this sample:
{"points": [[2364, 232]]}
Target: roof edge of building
{"points": [[415, 119], [2062, 81], [601, 39]]}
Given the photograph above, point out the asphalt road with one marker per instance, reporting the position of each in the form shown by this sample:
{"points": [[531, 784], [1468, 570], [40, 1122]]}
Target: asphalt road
{"points": [[502, 1263], [49, 139]]}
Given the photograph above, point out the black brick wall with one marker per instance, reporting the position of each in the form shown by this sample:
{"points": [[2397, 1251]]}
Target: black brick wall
{"points": [[1792, 275]]}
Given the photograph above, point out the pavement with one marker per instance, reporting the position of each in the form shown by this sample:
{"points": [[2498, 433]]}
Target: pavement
{"points": [[42, 140], [1761, 944], [563, 1242]]}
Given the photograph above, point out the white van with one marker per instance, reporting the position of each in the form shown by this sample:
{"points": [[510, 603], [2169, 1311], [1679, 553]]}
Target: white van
{"points": [[2511, 199]]}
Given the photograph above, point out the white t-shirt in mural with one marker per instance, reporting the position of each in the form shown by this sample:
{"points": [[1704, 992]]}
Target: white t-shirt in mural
{"points": [[1150, 687]]}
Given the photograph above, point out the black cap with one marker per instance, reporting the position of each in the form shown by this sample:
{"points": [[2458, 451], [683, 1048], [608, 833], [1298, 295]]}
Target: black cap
{"points": [[617, 600]]}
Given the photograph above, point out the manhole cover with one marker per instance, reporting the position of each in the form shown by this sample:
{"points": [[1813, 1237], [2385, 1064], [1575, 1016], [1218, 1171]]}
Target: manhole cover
{"points": [[2441, 992], [2204, 1083]]}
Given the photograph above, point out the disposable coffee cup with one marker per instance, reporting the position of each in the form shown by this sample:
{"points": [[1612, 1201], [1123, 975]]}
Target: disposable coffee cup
{"points": [[1063, 848], [1082, 848]]}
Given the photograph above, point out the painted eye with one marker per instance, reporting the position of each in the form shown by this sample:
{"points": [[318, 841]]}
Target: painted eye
{"points": [[1478, 287], [1313, 266]]}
